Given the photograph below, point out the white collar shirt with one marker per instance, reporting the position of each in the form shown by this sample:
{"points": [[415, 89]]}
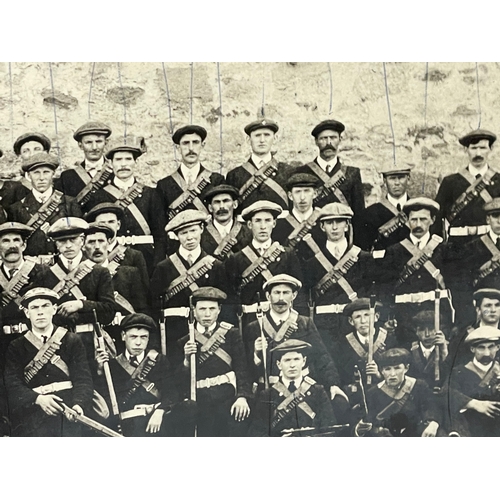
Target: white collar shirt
{"points": [[394, 201], [124, 185], [260, 161], [474, 171], [262, 247], [301, 217], [324, 164], [139, 358], [337, 249], [42, 197], [223, 230], [194, 253], [420, 242], [74, 262], [92, 167], [190, 174]]}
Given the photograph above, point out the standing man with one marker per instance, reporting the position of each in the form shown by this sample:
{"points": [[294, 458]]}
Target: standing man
{"points": [[31, 143], [384, 223], [186, 187], [143, 221], [462, 196], [45, 368], [339, 183], [43, 205], [92, 173], [262, 177], [224, 235]]}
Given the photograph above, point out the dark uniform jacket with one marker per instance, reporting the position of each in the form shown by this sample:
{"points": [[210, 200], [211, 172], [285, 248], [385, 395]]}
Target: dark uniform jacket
{"points": [[27, 418], [13, 191], [211, 238], [128, 284], [135, 258], [22, 211]]}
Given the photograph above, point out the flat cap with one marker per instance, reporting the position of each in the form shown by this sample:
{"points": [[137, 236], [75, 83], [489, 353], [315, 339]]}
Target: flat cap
{"points": [[394, 170], [104, 208], [360, 304], [138, 320], [393, 357], [423, 318], [261, 206], [488, 293], [186, 218], [130, 144], [328, 125], [31, 136], [39, 293], [302, 180], [483, 334], [208, 293], [420, 203], [97, 128], [40, 160], [492, 206], [335, 211], [220, 189], [67, 227], [16, 228], [282, 279], [291, 345], [189, 129], [262, 123], [96, 227], [477, 135]]}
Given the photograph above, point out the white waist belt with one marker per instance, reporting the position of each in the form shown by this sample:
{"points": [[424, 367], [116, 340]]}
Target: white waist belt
{"points": [[135, 240], [138, 411], [226, 378], [84, 328], [468, 230], [252, 308], [19, 328], [182, 311], [55, 387], [420, 297], [331, 308]]}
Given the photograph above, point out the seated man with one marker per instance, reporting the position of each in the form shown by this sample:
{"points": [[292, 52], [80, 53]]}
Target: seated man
{"points": [[399, 405], [294, 401], [223, 384], [143, 384], [45, 361]]}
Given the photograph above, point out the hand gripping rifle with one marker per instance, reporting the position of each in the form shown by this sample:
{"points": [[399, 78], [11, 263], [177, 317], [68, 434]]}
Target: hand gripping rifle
{"points": [[437, 355], [74, 416], [192, 360], [260, 318], [371, 335]]}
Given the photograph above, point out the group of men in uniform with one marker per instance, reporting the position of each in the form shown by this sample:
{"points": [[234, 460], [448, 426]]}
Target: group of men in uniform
{"points": [[270, 302]]}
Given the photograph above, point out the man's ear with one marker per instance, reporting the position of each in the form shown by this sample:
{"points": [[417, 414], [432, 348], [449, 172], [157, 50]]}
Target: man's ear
{"points": [[289, 194], [351, 322], [377, 316], [235, 204], [274, 223], [294, 295], [25, 310], [80, 145]]}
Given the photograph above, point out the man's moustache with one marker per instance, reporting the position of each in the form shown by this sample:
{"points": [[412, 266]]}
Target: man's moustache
{"points": [[222, 211], [478, 158]]}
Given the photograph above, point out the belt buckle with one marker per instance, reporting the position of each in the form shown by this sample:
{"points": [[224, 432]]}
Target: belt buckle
{"points": [[150, 387], [418, 297], [46, 389]]}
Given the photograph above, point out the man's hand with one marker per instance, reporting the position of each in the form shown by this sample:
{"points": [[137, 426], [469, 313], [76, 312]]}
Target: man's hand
{"points": [[49, 404], [259, 345], [440, 340], [189, 348], [240, 409], [155, 421], [362, 428], [337, 391], [430, 430], [372, 369], [101, 357], [70, 307], [488, 408]]}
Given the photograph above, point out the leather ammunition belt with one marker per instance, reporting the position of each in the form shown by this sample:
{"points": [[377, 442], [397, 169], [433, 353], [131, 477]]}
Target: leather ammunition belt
{"points": [[252, 308], [418, 297], [84, 328], [226, 378], [468, 230], [330, 309], [145, 239], [138, 411], [15, 329], [182, 312], [55, 387]]}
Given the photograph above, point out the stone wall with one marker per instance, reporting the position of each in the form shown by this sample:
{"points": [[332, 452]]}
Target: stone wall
{"points": [[132, 98]]}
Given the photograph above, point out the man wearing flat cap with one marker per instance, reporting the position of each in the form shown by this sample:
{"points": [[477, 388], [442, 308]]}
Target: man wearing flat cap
{"points": [[384, 223], [462, 196], [223, 384], [43, 205], [46, 367], [224, 235], [186, 187], [295, 401], [410, 271], [261, 259], [339, 183], [92, 173], [399, 405], [476, 402], [31, 143], [143, 384], [143, 222], [262, 177]]}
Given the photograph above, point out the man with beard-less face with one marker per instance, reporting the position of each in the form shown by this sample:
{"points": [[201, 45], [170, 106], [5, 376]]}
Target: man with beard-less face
{"points": [[224, 235], [477, 400], [339, 183]]}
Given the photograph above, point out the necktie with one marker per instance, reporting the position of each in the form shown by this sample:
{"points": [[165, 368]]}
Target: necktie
{"points": [[261, 163], [133, 361], [329, 169], [292, 387], [44, 338], [206, 332], [70, 265], [12, 272], [190, 259], [478, 176], [398, 206]]}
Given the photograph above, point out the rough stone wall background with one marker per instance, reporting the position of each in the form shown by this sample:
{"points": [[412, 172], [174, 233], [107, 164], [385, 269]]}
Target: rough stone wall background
{"points": [[132, 98]]}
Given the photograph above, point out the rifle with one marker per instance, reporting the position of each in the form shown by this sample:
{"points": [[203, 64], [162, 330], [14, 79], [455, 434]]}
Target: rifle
{"points": [[260, 317], [163, 332], [74, 416], [317, 431], [437, 327], [371, 334], [359, 383], [107, 372], [310, 304], [192, 360]]}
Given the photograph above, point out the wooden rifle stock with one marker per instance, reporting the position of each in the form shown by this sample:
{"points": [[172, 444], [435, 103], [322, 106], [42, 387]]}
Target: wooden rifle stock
{"points": [[163, 332], [371, 335], [192, 359], [260, 317], [359, 383], [437, 327], [73, 416]]}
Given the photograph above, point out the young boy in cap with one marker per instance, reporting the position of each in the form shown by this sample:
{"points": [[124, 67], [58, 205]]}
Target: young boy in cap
{"points": [[143, 385], [399, 405], [262, 177], [339, 183], [186, 187], [223, 386], [295, 401], [43, 205], [31, 143], [384, 223], [45, 367]]}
